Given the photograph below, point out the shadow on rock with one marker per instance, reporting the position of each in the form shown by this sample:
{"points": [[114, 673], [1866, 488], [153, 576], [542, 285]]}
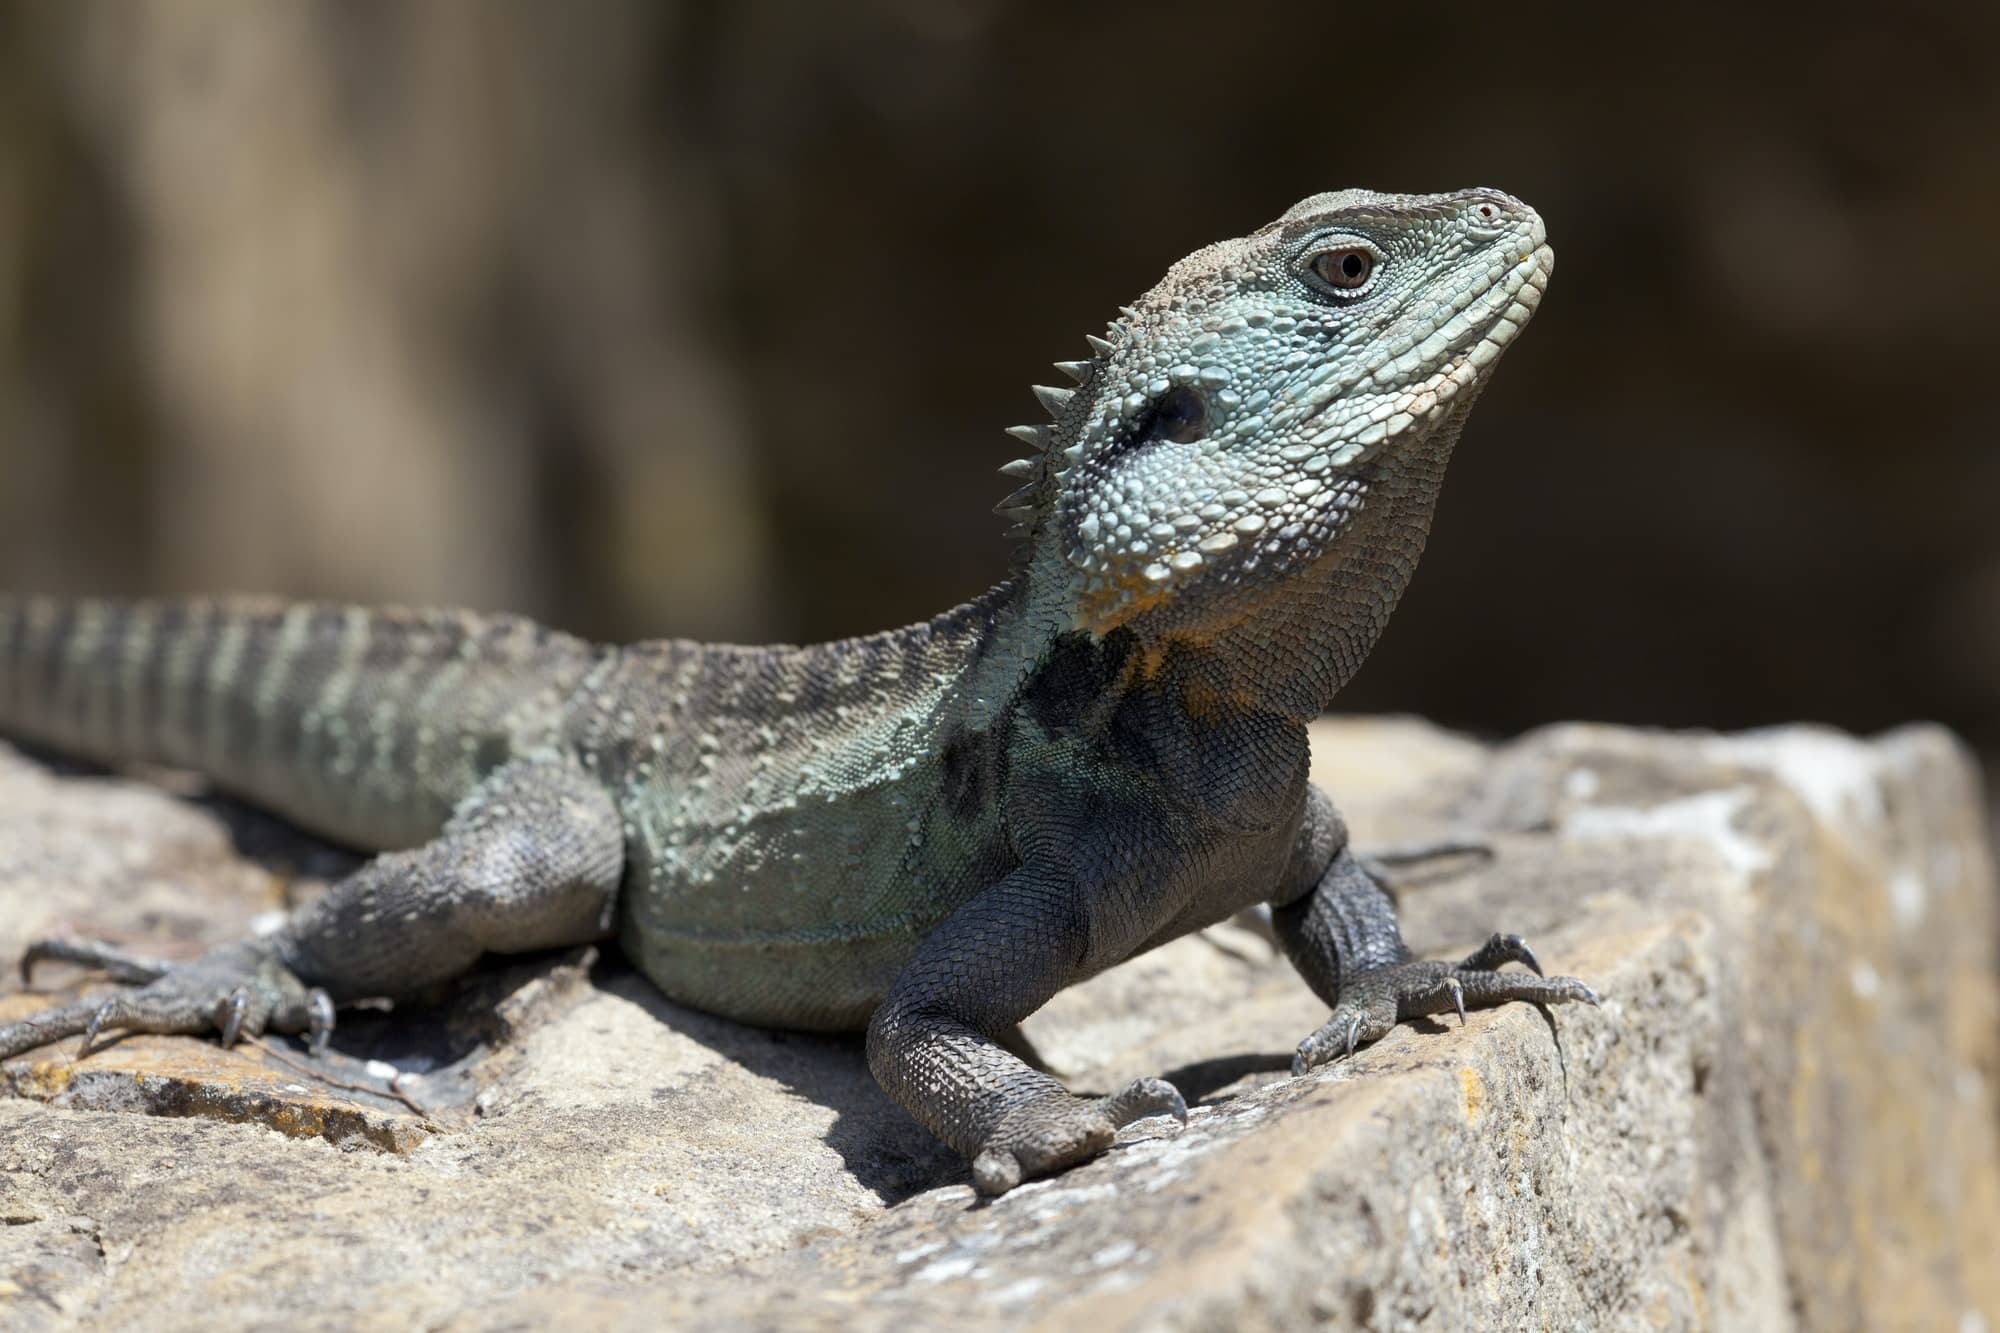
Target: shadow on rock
{"points": [[887, 1152]]}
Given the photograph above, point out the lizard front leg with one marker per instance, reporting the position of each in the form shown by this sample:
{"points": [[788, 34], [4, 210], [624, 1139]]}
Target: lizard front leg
{"points": [[1343, 937], [531, 859], [935, 1044]]}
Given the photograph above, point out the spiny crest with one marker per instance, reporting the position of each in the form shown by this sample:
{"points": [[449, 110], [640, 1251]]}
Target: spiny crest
{"points": [[1056, 400], [1047, 462]]}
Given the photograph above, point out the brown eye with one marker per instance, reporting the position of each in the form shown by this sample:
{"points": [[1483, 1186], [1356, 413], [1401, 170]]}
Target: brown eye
{"points": [[1344, 269]]}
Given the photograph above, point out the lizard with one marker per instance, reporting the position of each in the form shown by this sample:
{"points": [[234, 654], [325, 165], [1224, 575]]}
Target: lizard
{"points": [[925, 833]]}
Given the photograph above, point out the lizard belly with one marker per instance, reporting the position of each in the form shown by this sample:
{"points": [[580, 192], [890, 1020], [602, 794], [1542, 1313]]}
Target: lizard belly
{"points": [[799, 914]]}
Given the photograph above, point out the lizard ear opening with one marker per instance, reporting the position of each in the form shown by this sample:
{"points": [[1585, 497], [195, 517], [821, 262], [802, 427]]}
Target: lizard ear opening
{"points": [[1181, 416]]}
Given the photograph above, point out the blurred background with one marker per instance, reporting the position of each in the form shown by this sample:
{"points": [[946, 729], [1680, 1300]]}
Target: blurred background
{"points": [[704, 319]]}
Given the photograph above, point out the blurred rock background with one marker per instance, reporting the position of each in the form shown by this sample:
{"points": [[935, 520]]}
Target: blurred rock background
{"points": [[704, 318]]}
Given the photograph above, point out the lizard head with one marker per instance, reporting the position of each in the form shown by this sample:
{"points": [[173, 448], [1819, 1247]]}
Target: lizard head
{"points": [[1245, 414]]}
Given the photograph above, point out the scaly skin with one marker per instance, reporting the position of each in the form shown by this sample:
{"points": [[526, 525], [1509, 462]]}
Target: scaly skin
{"points": [[927, 832]]}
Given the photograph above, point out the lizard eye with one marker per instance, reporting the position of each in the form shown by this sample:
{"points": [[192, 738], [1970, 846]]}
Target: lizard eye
{"points": [[1344, 270], [1180, 416]]}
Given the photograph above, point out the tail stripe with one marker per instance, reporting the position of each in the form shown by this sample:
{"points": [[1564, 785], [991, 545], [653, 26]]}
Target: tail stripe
{"points": [[34, 658], [238, 654], [327, 744], [312, 673], [57, 625], [19, 694], [134, 657], [295, 633], [13, 627], [184, 658], [86, 692], [113, 706], [75, 690], [386, 719], [155, 688], [202, 700], [445, 678]]}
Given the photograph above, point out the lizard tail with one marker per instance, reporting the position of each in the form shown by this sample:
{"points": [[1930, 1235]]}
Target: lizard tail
{"points": [[366, 726]]}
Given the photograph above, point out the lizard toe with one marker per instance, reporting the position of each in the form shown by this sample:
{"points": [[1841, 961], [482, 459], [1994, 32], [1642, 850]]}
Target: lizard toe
{"points": [[1143, 1097], [1042, 1137], [1374, 1000], [995, 1171], [115, 963], [235, 990], [1485, 984], [1361, 1018]]}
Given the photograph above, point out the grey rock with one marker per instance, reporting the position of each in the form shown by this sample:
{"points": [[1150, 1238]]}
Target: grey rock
{"points": [[1782, 1116]]}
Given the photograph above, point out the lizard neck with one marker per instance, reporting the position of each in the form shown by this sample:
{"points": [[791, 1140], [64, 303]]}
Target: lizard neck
{"points": [[1295, 651], [1290, 646]]}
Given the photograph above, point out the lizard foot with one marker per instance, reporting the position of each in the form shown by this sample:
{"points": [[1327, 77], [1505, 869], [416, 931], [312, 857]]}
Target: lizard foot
{"points": [[1373, 1001], [1043, 1136], [235, 989]]}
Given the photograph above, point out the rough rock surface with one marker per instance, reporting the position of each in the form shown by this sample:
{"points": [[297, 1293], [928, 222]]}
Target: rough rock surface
{"points": [[1784, 1115]]}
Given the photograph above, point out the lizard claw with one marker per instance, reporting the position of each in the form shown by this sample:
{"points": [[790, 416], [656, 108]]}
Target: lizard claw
{"points": [[1374, 1000], [319, 1018], [106, 1013], [1341, 1030], [229, 1015], [1456, 988]]}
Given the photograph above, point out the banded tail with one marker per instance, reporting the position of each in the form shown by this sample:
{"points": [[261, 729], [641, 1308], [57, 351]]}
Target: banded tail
{"points": [[364, 725]]}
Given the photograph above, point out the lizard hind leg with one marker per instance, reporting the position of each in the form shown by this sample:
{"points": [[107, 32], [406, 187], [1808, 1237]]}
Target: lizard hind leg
{"points": [[532, 859]]}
